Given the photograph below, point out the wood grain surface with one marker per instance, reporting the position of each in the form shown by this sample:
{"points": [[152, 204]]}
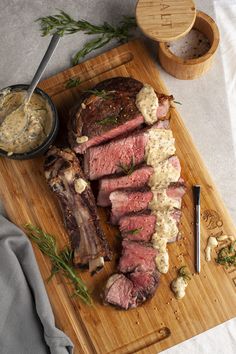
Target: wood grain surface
{"points": [[165, 20], [163, 321]]}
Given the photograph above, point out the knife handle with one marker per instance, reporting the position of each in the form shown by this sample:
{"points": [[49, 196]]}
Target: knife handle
{"points": [[198, 237]]}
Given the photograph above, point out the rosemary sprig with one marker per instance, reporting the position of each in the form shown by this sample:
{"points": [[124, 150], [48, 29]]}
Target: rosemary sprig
{"points": [[89, 47], [62, 261], [177, 102], [128, 169], [110, 120], [64, 24], [183, 272], [134, 231], [227, 255], [101, 93], [73, 82]]}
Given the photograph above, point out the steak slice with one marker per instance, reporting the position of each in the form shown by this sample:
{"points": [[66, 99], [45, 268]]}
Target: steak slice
{"points": [[119, 292], [138, 179], [66, 179], [128, 202], [89, 117], [137, 256], [113, 157], [137, 227], [122, 153], [132, 290], [145, 284]]}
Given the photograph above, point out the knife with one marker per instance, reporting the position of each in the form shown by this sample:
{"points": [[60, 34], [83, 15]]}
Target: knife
{"points": [[197, 210]]}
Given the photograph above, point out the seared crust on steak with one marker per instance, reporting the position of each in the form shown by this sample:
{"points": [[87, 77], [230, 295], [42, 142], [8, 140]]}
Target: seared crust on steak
{"points": [[88, 115]]}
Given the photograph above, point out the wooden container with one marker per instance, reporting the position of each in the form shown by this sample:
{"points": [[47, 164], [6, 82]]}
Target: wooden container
{"points": [[167, 21], [188, 69]]}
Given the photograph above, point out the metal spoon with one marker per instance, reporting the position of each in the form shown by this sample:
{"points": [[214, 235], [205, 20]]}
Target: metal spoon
{"points": [[42, 66]]}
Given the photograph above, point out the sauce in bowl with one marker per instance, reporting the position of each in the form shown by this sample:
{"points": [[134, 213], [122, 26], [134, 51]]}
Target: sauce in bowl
{"points": [[25, 126]]}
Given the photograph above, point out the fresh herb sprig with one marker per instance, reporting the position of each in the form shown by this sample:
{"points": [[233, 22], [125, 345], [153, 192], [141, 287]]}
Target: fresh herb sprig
{"points": [[134, 231], [64, 24], [101, 93], [110, 120], [62, 261], [128, 169], [73, 82], [183, 272], [177, 102], [227, 255]]}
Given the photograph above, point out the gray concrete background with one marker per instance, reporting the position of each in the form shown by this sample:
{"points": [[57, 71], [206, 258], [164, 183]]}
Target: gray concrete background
{"points": [[204, 108]]}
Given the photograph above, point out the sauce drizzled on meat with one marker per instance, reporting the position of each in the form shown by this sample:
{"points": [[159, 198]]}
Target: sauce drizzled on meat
{"points": [[160, 146], [147, 103]]}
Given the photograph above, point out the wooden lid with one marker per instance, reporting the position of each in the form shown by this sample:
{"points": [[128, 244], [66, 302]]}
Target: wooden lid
{"points": [[165, 20]]}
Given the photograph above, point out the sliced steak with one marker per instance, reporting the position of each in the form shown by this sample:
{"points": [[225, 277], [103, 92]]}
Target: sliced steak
{"points": [[102, 118], [137, 256], [66, 179], [127, 202], [115, 156], [137, 227], [138, 179], [119, 292], [145, 284], [132, 290], [119, 154]]}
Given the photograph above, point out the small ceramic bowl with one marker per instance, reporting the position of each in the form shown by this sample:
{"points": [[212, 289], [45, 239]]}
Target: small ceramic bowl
{"points": [[51, 136], [188, 69]]}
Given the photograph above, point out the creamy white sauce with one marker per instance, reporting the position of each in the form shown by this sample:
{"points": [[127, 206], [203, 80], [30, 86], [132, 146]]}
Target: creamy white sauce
{"points": [[147, 103], [160, 146], [161, 200], [164, 173], [178, 286], [165, 229], [25, 125], [162, 262], [165, 225], [82, 139], [211, 244], [80, 185], [159, 243]]}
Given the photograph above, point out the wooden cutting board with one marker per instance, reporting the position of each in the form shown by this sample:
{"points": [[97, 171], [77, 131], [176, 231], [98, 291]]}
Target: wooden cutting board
{"points": [[163, 321]]}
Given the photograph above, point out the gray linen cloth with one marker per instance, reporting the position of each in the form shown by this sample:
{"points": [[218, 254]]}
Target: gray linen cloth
{"points": [[27, 323]]}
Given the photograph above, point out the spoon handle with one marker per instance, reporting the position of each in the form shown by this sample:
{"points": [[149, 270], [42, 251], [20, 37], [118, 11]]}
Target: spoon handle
{"points": [[42, 66]]}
